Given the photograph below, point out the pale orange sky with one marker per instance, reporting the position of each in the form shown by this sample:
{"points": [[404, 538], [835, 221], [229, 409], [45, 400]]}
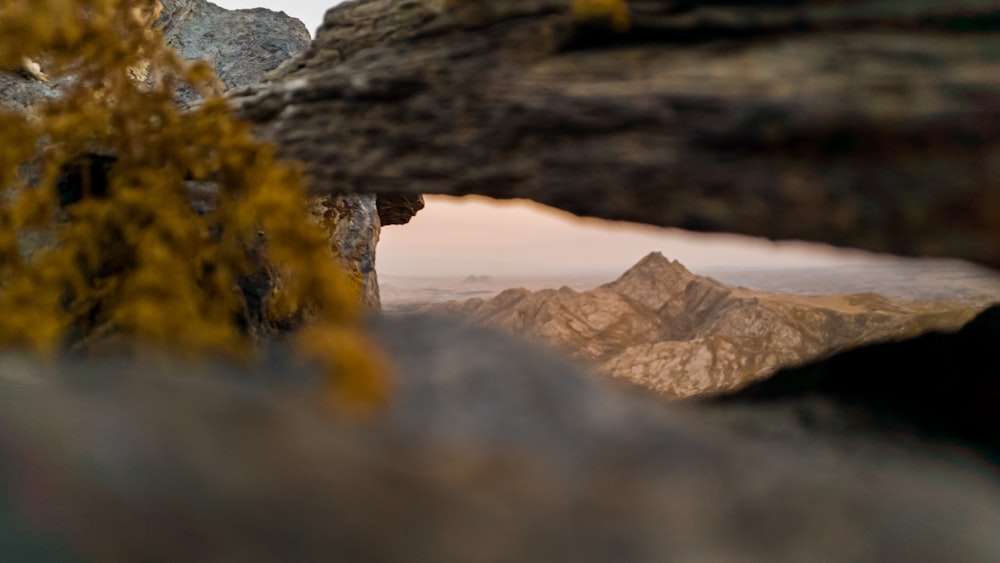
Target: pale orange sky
{"points": [[476, 235]]}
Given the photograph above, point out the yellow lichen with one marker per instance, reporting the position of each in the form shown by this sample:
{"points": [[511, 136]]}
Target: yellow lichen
{"points": [[613, 13], [139, 261]]}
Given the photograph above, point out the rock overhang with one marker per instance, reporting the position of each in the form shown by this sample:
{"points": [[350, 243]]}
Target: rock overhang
{"points": [[868, 125]]}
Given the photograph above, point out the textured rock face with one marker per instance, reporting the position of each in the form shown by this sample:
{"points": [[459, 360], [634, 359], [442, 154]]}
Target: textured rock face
{"points": [[665, 328], [354, 227], [398, 209], [243, 45], [18, 93], [871, 124], [489, 451]]}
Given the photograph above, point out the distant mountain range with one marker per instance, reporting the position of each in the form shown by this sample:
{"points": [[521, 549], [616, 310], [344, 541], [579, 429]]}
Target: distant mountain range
{"points": [[682, 334]]}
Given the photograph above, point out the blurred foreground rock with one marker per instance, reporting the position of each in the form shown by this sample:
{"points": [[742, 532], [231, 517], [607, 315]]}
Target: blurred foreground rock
{"points": [[489, 451], [873, 124]]}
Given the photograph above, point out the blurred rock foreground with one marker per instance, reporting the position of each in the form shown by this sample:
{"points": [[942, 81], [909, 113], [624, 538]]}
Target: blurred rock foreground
{"points": [[491, 450]]}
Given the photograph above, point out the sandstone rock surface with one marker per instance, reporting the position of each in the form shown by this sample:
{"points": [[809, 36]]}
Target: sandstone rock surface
{"points": [[353, 224], [871, 124], [665, 328]]}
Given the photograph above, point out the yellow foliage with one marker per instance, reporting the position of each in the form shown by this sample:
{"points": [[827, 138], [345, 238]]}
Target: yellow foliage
{"points": [[140, 261]]}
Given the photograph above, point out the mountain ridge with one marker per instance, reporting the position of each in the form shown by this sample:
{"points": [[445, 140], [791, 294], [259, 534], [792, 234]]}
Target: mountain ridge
{"points": [[682, 334]]}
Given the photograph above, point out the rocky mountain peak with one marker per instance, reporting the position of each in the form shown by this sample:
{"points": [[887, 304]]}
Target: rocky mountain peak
{"points": [[654, 280], [656, 264]]}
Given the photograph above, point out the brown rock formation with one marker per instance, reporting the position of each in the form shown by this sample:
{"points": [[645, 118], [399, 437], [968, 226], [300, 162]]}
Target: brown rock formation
{"points": [[872, 124], [681, 334]]}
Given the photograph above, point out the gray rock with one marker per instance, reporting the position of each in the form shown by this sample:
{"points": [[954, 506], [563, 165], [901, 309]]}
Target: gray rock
{"points": [[242, 45], [489, 451], [18, 92], [352, 222]]}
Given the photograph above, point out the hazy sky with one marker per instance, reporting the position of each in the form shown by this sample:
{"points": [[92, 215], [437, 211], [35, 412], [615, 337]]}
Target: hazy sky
{"points": [[457, 237], [309, 11], [477, 235]]}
